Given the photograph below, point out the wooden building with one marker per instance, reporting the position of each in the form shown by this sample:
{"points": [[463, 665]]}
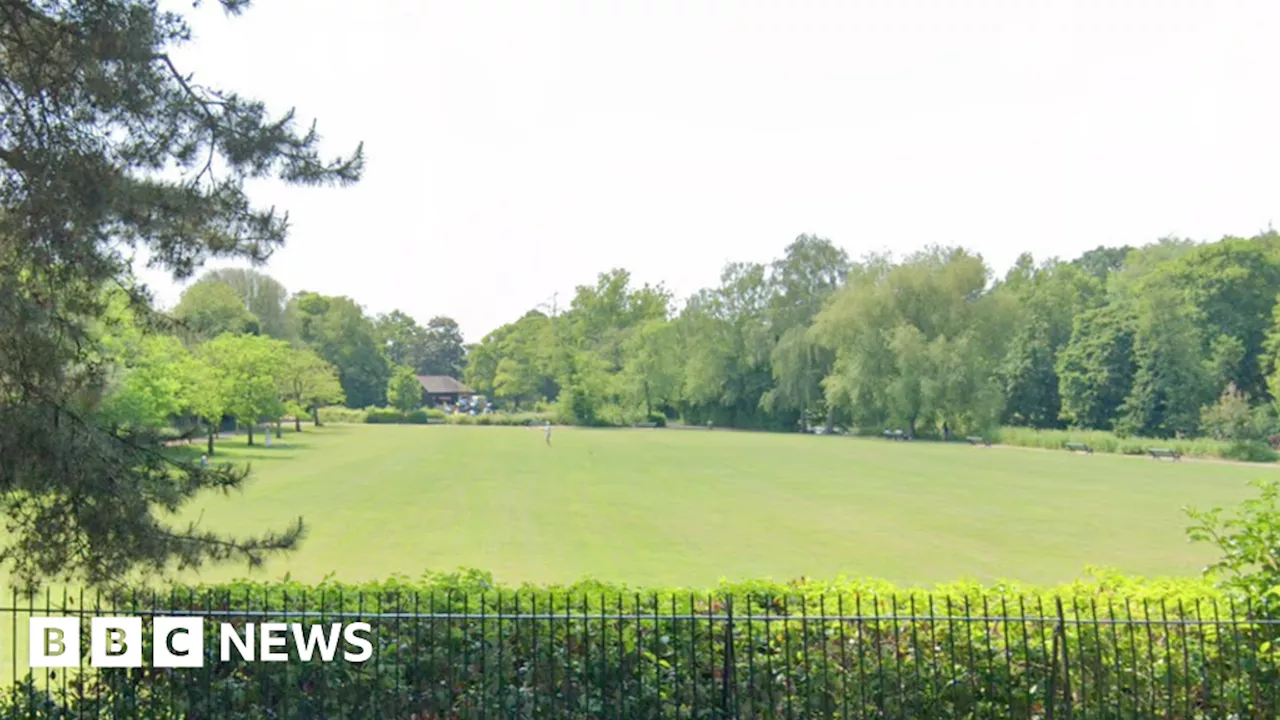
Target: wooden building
{"points": [[441, 389]]}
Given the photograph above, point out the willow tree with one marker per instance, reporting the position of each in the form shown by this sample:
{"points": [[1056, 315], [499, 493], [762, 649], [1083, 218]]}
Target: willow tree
{"points": [[106, 146]]}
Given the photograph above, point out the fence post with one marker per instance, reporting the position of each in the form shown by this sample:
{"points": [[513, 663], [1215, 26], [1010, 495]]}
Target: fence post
{"points": [[1050, 695], [1060, 640], [726, 674]]}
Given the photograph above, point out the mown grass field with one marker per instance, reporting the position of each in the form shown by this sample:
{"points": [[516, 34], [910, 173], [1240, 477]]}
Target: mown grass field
{"points": [[687, 508]]}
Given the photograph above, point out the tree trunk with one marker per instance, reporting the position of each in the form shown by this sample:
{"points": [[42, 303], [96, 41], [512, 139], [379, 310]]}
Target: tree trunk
{"points": [[279, 431], [211, 429], [250, 434], [297, 422], [831, 420], [648, 407], [315, 415]]}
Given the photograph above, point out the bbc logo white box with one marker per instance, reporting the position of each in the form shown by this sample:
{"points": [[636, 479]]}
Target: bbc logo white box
{"points": [[54, 642]]}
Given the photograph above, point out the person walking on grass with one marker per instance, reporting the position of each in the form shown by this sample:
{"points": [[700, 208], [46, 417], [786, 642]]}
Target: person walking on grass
{"points": [[547, 432]]}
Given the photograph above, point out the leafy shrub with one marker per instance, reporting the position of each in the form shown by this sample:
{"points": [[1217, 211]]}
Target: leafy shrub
{"points": [[505, 419], [613, 415], [386, 416], [339, 415], [782, 649], [1106, 442], [658, 419], [382, 416], [1247, 539], [1250, 451]]}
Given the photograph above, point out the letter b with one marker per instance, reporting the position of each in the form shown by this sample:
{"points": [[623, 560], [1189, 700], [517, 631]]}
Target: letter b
{"points": [[115, 642], [53, 642]]}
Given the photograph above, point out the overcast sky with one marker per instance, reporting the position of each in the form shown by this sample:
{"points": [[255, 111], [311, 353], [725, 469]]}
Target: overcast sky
{"points": [[516, 149]]}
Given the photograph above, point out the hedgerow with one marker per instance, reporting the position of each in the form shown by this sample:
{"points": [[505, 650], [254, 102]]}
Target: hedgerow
{"points": [[447, 645], [1107, 442], [508, 419]]}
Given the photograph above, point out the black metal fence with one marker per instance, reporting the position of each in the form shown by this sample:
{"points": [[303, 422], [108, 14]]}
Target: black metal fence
{"points": [[612, 655]]}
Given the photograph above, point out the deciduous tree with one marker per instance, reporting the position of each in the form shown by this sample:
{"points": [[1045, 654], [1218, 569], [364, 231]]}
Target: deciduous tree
{"points": [[404, 392], [308, 383], [248, 368], [210, 308], [339, 331]]}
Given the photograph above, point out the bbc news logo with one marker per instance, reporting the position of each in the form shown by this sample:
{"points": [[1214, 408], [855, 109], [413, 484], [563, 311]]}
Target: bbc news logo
{"points": [[178, 642]]}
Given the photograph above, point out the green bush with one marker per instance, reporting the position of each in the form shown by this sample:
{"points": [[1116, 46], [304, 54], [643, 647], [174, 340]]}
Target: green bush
{"points": [[818, 648], [382, 416], [506, 419], [658, 419], [1106, 442], [339, 415], [1250, 451], [386, 416]]}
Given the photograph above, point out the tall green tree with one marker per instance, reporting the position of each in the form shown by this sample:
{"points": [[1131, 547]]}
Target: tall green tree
{"points": [[803, 280], [248, 367], [443, 350], [1095, 369], [262, 295], [1172, 379], [404, 392], [403, 340], [1102, 260], [897, 331], [308, 383], [210, 308], [150, 386], [1231, 284], [206, 396], [725, 342], [339, 331], [1044, 302], [106, 143], [651, 374], [518, 363]]}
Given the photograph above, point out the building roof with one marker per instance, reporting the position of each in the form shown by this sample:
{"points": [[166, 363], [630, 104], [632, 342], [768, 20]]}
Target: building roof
{"points": [[442, 385]]}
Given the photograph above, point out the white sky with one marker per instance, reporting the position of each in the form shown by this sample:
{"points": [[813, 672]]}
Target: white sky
{"points": [[516, 149]]}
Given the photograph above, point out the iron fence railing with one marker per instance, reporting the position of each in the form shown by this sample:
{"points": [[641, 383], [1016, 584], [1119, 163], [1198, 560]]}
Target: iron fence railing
{"points": [[611, 655]]}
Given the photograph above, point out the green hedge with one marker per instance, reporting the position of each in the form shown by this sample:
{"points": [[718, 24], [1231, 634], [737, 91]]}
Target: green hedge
{"points": [[338, 415], [456, 645], [385, 416], [499, 419], [1106, 442]]}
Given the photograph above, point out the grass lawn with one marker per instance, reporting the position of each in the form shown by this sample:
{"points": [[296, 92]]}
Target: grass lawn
{"points": [[668, 507]]}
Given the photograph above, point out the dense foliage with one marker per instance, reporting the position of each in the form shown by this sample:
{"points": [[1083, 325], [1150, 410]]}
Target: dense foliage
{"points": [[451, 645], [1172, 339]]}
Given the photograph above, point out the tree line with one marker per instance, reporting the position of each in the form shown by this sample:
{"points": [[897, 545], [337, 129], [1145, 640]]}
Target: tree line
{"points": [[1173, 338], [238, 345]]}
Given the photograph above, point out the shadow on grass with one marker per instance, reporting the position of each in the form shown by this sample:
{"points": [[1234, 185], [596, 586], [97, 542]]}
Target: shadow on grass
{"points": [[264, 455], [233, 447]]}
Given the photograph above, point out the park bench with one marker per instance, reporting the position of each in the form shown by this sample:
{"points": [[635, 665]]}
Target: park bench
{"points": [[895, 435], [1161, 453], [1078, 447], [646, 424], [977, 441]]}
